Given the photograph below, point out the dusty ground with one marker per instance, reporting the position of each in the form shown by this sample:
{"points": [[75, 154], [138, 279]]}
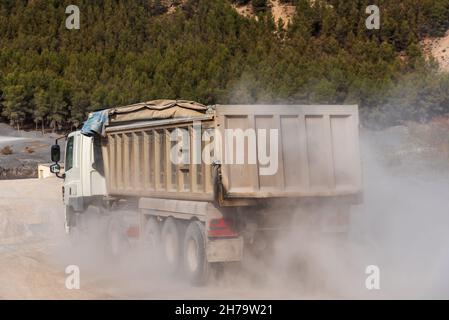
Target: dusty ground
{"points": [[28, 149], [402, 227], [439, 49], [34, 253], [30, 219]]}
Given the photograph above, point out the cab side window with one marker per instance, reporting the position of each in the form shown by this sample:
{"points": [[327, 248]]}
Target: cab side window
{"points": [[98, 156], [69, 154]]}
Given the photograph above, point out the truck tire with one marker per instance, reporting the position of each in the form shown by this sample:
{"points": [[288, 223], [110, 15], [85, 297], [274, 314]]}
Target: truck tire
{"points": [[70, 219], [196, 266], [117, 241], [152, 236], [91, 225], [73, 225], [171, 244]]}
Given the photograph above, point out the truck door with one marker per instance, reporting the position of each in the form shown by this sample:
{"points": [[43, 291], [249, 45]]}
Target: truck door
{"points": [[72, 182]]}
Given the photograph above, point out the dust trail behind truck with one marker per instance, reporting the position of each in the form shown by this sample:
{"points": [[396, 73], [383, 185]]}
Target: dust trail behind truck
{"points": [[209, 183]]}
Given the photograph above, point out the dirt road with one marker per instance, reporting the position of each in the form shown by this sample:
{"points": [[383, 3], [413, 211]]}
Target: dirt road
{"points": [[25, 150], [30, 226], [34, 253]]}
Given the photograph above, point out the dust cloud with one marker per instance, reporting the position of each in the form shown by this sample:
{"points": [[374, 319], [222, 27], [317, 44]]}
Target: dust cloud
{"points": [[401, 227]]}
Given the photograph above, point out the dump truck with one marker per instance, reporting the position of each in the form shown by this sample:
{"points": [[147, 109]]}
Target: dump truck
{"points": [[210, 183]]}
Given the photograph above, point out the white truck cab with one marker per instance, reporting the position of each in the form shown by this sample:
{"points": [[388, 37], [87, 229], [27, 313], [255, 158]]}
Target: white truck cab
{"points": [[84, 175], [84, 181]]}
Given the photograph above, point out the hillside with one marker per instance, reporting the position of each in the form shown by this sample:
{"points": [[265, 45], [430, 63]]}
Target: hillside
{"points": [[280, 10], [438, 48], [216, 51]]}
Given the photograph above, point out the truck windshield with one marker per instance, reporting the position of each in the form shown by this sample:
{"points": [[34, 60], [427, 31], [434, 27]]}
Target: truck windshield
{"points": [[69, 154]]}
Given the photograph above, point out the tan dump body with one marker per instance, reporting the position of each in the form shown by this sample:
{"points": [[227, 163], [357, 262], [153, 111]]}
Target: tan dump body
{"points": [[318, 155], [318, 151]]}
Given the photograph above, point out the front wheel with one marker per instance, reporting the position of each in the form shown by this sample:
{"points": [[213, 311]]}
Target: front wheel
{"points": [[195, 262], [73, 225], [70, 219]]}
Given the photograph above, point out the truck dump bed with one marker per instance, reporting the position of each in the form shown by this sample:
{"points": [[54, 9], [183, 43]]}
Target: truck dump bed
{"points": [[317, 154], [318, 151]]}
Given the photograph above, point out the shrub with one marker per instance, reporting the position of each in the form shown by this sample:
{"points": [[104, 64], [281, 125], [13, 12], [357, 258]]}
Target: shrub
{"points": [[259, 5], [29, 150], [7, 150], [241, 2]]}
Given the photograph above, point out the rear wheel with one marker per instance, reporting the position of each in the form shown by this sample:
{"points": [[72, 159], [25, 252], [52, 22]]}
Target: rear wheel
{"points": [[152, 236], [171, 244], [195, 263]]}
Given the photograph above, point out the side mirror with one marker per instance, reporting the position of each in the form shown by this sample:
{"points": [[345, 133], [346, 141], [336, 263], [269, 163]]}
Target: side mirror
{"points": [[55, 168], [55, 153]]}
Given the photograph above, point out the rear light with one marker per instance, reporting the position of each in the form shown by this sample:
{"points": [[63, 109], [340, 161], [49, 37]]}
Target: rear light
{"points": [[132, 232], [221, 228]]}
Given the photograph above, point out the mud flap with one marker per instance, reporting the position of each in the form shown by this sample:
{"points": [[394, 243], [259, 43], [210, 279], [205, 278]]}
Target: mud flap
{"points": [[224, 250]]}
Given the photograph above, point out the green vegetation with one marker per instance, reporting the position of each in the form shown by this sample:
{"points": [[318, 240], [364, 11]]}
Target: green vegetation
{"points": [[133, 50]]}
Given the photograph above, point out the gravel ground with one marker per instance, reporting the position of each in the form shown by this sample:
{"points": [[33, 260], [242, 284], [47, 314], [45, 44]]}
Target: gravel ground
{"points": [[34, 253], [28, 150]]}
